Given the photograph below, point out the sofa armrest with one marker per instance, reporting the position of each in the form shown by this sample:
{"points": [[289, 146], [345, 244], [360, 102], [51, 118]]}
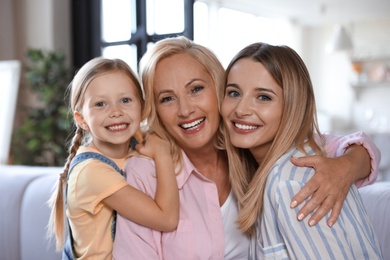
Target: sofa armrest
{"points": [[24, 214]]}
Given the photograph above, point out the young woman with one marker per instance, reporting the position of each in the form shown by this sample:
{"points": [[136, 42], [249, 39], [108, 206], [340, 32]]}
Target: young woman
{"points": [[181, 80], [269, 112], [106, 102]]}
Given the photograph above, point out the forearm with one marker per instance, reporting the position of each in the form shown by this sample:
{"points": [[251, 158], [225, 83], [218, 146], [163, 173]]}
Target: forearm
{"points": [[359, 161], [167, 195], [338, 145]]}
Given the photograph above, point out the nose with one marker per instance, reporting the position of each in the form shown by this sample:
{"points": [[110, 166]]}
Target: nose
{"points": [[185, 107], [243, 107], [116, 111]]}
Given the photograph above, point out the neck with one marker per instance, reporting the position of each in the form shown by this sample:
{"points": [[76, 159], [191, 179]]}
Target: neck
{"points": [[213, 165], [205, 161], [260, 152]]}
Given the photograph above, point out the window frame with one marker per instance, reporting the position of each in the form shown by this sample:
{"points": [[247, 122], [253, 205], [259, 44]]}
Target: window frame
{"points": [[87, 42]]}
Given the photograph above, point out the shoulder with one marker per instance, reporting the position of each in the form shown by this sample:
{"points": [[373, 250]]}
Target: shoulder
{"points": [[139, 165], [285, 179], [284, 170], [90, 169], [284, 162], [93, 166]]}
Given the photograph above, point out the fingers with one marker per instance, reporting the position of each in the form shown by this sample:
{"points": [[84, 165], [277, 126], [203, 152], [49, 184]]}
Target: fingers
{"points": [[335, 213], [308, 161], [324, 207], [311, 205], [304, 193], [153, 146], [328, 189], [139, 148]]}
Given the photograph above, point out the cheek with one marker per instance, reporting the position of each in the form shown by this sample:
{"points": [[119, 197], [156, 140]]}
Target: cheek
{"points": [[276, 117], [226, 108], [135, 112], [166, 115]]}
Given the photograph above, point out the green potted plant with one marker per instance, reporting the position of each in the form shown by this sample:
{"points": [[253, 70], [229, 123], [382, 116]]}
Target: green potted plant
{"points": [[41, 139]]}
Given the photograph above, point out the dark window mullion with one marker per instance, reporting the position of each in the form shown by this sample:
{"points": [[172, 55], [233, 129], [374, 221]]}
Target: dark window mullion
{"points": [[141, 36], [189, 19]]}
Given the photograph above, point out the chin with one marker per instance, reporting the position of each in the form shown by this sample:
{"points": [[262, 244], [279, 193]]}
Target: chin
{"points": [[242, 145]]}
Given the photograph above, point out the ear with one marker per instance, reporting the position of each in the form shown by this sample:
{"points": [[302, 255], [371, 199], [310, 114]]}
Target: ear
{"points": [[80, 121]]}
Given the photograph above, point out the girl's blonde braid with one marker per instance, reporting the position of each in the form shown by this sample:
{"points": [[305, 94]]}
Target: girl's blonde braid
{"points": [[57, 217]]}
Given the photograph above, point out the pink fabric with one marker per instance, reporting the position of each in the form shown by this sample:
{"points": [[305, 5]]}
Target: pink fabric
{"points": [[336, 146], [200, 233]]}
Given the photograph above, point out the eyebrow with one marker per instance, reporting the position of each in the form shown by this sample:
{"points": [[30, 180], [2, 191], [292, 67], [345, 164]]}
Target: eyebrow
{"points": [[193, 80], [234, 85], [189, 83], [164, 91]]}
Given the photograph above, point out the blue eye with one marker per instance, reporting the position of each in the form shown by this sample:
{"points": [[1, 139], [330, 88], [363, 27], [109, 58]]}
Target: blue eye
{"points": [[166, 99], [126, 100], [197, 89], [232, 93], [264, 98]]}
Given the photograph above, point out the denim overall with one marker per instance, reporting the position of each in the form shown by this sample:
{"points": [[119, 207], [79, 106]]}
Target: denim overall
{"points": [[68, 252]]}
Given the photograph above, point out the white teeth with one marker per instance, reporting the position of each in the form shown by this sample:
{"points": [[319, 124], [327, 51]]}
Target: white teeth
{"points": [[192, 125], [245, 127], [117, 127]]}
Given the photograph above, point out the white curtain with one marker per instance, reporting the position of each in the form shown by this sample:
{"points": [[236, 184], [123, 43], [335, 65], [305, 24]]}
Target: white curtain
{"points": [[9, 85]]}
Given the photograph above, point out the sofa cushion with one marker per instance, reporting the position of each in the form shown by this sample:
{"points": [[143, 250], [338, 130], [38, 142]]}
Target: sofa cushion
{"points": [[376, 199]]}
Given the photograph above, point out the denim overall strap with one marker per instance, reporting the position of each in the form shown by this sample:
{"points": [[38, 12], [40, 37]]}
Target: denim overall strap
{"points": [[68, 252], [91, 155]]}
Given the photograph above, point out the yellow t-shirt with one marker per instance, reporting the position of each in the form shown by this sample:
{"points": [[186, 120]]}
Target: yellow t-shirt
{"points": [[89, 183]]}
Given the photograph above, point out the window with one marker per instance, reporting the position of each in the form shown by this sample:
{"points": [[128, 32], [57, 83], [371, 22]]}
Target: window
{"points": [[124, 28], [227, 31]]}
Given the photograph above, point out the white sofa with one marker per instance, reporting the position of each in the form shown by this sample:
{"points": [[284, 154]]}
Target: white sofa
{"points": [[24, 213]]}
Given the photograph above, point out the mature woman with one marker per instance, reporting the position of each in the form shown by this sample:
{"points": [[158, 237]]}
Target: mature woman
{"points": [[181, 81]]}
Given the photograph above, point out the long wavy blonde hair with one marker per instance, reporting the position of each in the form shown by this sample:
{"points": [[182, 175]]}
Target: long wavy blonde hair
{"points": [[163, 49], [297, 127], [92, 69]]}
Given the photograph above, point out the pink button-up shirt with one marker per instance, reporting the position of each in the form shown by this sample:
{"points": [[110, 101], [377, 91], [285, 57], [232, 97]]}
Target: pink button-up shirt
{"points": [[200, 232]]}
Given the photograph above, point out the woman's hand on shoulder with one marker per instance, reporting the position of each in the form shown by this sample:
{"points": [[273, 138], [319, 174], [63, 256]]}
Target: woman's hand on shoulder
{"points": [[328, 188]]}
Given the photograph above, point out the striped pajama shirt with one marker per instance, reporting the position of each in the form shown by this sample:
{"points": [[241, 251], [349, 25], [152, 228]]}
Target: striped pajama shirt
{"points": [[281, 236]]}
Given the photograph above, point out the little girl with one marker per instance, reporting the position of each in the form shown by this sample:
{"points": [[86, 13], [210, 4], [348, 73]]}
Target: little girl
{"points": [[106, 102]]}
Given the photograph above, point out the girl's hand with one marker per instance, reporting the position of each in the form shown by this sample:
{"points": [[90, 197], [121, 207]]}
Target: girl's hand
{"points": [[154, 147], [328, 187]]}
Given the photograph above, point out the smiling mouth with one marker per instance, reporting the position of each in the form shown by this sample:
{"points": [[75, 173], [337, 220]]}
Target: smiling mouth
{"points": [[192, 125], [117, 127], [245, 127]]}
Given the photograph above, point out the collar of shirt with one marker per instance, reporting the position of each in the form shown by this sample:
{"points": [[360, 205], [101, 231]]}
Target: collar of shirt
{"points": [[187, 170]]}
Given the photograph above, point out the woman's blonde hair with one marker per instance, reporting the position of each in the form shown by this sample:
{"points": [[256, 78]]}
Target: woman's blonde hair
{"points": [[163, 49], [76, 89], [297, 127]]}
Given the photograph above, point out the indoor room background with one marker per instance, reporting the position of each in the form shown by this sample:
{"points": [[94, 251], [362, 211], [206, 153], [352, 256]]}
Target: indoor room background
{"points": [[344, 43], [352, 85]]}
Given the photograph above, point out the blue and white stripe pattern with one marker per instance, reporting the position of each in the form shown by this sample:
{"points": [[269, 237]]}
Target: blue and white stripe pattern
{"points": [[281, 236]]}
